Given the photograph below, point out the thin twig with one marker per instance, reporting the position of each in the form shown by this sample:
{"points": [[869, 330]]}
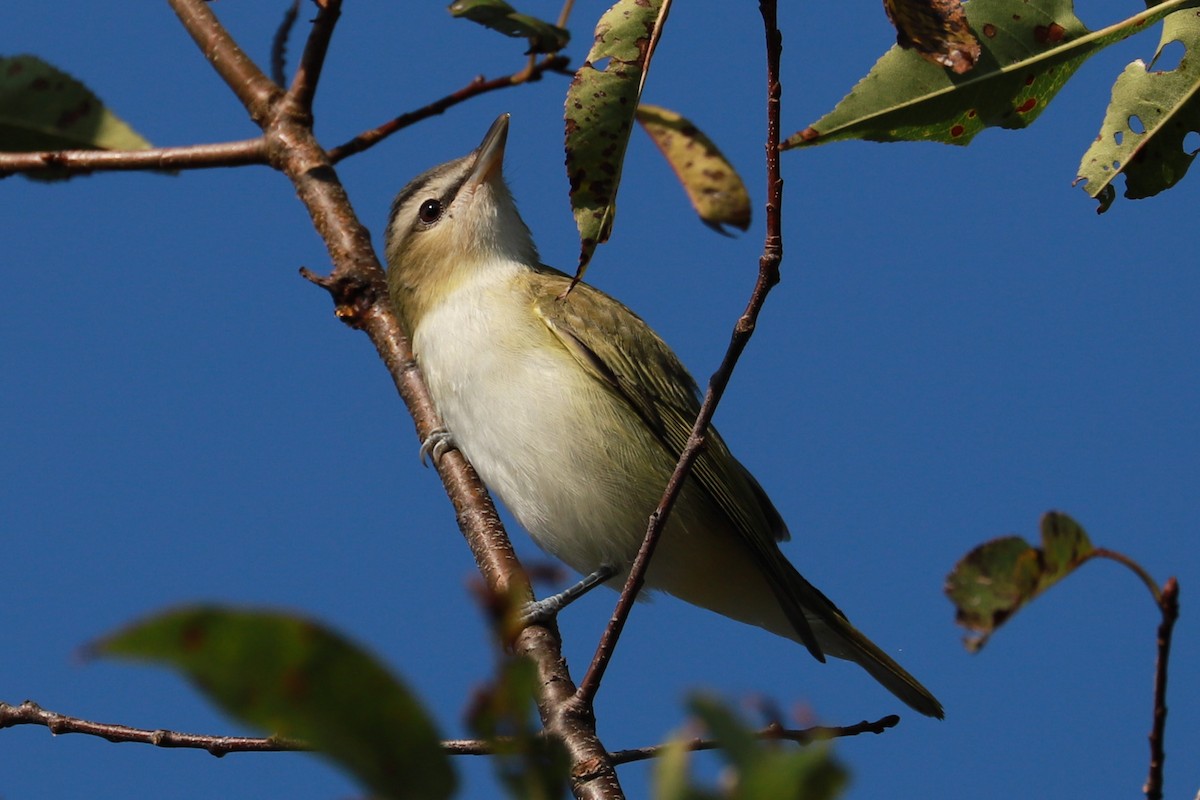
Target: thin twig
{"points": [[308, 71], [772, 732], [1136, 568], [1169, 605], [768, 276], [475, 88], [196, 156], [30, 713], [280, 42], [247, 151]]}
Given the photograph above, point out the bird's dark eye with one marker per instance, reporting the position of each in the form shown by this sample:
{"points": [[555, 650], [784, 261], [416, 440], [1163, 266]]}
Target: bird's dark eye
{"points": [[429, 211]]}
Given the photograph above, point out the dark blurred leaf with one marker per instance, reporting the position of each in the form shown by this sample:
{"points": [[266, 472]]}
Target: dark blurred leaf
{"points": [[599, 113], [500, 16], [1165, 105], [1030, 49], [993, 581], [766, 770], [44, 108], [529, 765], [712, 184], [935, 29], [296, 679]]}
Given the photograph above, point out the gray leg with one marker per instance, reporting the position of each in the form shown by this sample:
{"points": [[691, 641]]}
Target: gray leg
{"points": [[548, 608]]}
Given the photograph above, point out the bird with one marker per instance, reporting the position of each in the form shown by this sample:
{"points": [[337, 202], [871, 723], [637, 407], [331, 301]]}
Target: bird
{"points": [[574, 412]]}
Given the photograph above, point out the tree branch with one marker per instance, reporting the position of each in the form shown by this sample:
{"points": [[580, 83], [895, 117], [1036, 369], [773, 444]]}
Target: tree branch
{"points": [[771, 732], [30, 713], [475, 88], [768, 276], [1169, 605], [358, 288], [254, 89], [308, 71], [196, 156], [280, 41]]}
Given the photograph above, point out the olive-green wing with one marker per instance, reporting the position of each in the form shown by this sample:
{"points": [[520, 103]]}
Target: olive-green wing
{"points": [[625, 354]]}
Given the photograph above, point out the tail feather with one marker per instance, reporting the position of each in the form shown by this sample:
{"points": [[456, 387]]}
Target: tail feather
{"points": [[843, 640], [838, 638]]}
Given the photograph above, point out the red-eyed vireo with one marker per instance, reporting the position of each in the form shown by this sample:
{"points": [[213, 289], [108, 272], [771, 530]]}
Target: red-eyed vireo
{"points": [[574, 412]]}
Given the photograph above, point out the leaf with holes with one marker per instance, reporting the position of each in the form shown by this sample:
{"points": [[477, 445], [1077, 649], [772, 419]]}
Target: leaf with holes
{"points": [[500, 16], [44, 108], [996, 579], [1148, 117], [599, 113], [712, 184], [1030, 49], [297, 679]]}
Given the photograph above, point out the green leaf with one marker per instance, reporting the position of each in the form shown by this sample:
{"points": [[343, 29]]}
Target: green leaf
{"points": [[1030, 49], [296, 679], [996, 579], [770, 770], [670, 773], [500, 16], [712, 184], [601, 102], [1167, 107], [44, 108]]}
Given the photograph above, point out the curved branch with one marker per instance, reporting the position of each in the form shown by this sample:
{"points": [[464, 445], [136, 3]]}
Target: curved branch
{"points": [[475, 88], [280, 41], [308, 71]]}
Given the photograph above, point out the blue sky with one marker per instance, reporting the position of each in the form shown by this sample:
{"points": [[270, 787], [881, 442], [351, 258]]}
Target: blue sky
{"points": [[959, 344]]}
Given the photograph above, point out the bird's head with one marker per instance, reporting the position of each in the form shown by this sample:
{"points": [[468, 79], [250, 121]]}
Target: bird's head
{"points": [[451, 223]]}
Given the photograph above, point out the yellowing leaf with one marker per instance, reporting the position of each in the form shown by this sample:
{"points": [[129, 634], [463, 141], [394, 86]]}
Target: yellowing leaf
{"points": [[599, 113], [712, 184], [500, 16], [44, 108]]}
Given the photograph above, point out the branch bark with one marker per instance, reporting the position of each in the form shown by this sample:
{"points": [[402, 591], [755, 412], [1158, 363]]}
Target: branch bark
{"points": [[358, 289], [1168, 604]]}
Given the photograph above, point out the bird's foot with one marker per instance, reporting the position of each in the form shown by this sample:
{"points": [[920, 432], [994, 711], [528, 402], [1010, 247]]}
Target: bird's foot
{"points": [[547, 608], [436, 444]]}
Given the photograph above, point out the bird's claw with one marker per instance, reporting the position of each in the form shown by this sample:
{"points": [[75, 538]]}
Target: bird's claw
{"points": [[436, 444]]}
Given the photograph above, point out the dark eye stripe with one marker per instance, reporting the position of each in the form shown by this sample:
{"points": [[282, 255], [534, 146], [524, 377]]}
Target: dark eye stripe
{"points": [[422, 183]]}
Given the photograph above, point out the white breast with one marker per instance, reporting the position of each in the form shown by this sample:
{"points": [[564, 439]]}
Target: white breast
{"points": [[542, 432]]}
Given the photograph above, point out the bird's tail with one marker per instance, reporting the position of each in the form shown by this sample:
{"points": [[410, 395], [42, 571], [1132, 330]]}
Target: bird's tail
{"points": [[838, 638], [843, 640]]}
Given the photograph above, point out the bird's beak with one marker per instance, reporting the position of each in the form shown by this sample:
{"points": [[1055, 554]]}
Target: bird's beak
{"points": [[489, 156]]}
